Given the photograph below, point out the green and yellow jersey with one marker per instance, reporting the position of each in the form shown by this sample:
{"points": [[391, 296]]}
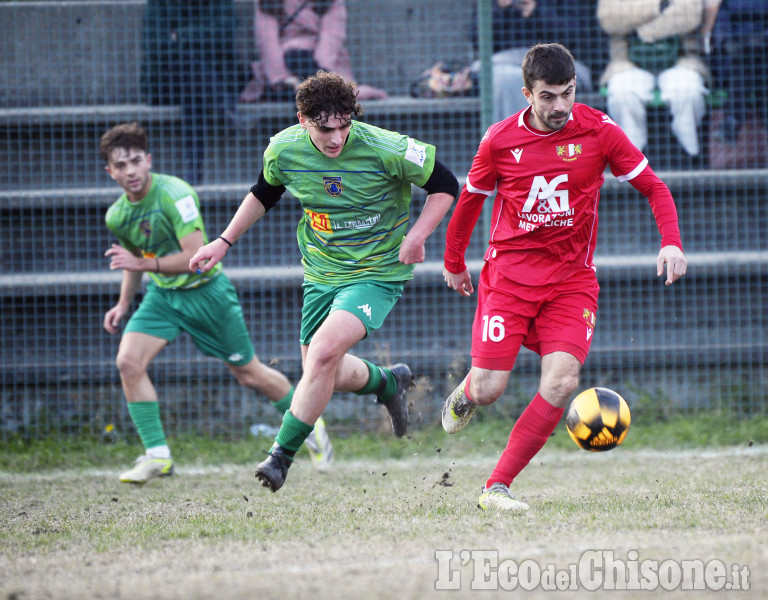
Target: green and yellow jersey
{"points": [[356, 206], [153, 226]]}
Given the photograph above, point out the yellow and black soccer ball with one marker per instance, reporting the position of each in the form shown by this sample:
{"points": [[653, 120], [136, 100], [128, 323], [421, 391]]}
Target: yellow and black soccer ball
{"points": [[598, 419]]}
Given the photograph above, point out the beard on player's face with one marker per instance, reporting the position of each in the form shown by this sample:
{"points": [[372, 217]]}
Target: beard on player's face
{"points": [[554, 120]]}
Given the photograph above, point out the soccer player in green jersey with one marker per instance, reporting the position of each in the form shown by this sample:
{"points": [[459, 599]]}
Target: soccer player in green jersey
{"points": [[353, 181], [158, 224]]}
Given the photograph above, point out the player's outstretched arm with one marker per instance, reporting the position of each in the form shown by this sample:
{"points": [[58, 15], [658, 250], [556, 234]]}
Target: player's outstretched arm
{"points": [[460, 282], [250, 211], [676, 263]]}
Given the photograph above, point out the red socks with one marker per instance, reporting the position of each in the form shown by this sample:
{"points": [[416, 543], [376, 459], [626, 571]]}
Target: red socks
{"points": [[529, 434]]}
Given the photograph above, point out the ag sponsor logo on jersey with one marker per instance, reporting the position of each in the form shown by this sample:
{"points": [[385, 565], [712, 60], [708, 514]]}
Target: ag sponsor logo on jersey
{"points": [[589, 317], [415, 153], [318, 221], [569, 152], [333, 186], [187, 209], [546, 205]]}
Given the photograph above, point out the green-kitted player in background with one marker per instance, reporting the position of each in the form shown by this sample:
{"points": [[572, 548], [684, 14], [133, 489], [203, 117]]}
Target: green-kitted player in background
{"points": [[158, 223], [353, 181]]}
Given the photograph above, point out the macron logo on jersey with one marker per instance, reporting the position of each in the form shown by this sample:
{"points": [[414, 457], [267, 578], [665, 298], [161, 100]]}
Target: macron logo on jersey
{"points": [[607, 119], [517, 153]]}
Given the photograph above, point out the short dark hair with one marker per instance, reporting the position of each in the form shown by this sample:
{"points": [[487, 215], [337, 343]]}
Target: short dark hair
{"points": [[126, 136], [326, 94], [551, 63]]}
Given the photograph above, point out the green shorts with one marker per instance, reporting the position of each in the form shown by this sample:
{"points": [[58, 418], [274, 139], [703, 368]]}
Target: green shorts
{"points": [[370, 301], [211, 314]]}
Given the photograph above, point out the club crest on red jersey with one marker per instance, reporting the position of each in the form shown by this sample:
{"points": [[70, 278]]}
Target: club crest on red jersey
{"points": [[569, 152], [333, 186]]}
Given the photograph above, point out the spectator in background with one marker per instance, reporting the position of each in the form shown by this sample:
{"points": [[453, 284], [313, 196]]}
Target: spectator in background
{"points": [[655, 43], [739, 62], [189, 59], [295, 39], [520, 24]]}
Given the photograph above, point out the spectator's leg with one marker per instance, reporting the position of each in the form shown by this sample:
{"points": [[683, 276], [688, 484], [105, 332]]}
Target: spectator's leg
{"points": [[683, 89], [628, 93], [193, 119], [583, 78], [508, 95]]}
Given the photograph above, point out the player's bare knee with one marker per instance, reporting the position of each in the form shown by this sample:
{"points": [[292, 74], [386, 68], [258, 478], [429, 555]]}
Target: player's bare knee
{"points": [[321, 359], [250, 375], [484, 392], [246, 379], [558, 389], [129, 366]]}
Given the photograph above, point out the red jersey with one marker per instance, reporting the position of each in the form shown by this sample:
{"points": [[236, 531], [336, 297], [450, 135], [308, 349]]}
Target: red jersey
{"points": [[547, 185]]}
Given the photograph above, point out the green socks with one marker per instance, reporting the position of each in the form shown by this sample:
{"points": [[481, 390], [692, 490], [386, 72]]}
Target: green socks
{"points": [[292, 433], [375, 381], [284, 403], [146, 417]]}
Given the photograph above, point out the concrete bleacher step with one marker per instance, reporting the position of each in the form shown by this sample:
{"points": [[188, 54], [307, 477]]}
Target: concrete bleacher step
{"points": [[244, 114], [193, 366], [236, 142], [70, 236], [610, 267], [105, 193], [638, 315], [38, 135]]}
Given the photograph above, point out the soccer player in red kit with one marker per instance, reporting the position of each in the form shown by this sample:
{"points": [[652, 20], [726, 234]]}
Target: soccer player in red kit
{"points": [[538, 287]]}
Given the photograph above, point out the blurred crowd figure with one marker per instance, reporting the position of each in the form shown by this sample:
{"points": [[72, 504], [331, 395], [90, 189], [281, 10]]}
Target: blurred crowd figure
{"points": [[657, 45], [294, 39], [739, 61], [667, 53], [520, 24], [189, 60]]}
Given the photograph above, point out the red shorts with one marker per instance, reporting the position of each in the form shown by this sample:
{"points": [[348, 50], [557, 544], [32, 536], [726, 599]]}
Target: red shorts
{"points": [[548, 318]]}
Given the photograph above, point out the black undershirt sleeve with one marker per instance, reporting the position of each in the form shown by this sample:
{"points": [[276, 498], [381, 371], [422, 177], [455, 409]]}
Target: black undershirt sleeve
{"points": [[441, 180], [266, 193]]}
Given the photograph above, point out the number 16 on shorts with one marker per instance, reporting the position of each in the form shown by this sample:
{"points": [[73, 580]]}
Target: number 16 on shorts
{"points": [[493, 328]]}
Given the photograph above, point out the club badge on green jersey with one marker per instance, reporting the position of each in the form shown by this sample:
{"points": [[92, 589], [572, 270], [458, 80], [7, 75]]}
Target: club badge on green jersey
{"points": [[333, 186]]}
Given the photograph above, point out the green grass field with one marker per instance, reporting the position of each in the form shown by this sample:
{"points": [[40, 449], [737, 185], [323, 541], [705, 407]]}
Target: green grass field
{"points": [[684, 490]]}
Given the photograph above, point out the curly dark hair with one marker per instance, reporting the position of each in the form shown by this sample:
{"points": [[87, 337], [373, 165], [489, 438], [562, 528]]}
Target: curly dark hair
{"points": [[551, 63], [126, 136], [326, 94]]}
